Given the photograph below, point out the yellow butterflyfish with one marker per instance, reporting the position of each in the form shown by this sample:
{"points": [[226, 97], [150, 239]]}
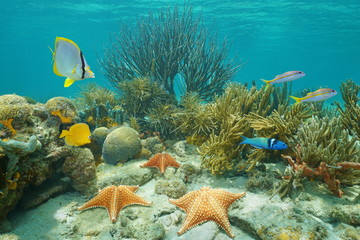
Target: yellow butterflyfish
{"points": [[70, 62], [78, 135]]}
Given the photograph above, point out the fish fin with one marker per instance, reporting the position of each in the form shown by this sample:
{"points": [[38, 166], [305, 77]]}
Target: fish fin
{"points": [[67, 40], [268, 83], [68, 82], [298, 100], [245, 140], [74, 70], [53, 54], [256, 146], [64, 133], [56, 71]]}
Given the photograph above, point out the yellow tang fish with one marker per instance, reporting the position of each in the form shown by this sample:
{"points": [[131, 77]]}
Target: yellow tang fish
{"points": [[78, 135], [70, 62], [285, 77], [319, 95]]}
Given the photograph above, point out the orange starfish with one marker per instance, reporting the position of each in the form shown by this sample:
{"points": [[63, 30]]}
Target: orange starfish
{"points": [[205, 205], [114, 199], [161, 161]]}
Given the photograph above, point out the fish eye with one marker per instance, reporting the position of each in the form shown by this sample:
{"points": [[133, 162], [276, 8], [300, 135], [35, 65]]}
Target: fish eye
{"points": [[333, 90], [299, 72]]}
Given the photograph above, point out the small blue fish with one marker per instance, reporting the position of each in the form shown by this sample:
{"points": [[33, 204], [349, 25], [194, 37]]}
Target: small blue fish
{"points": [[265, 143]]}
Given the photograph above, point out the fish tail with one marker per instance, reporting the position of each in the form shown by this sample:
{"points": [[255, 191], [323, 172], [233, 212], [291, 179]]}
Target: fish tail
{"points": [[268, 83], [298, 100], [245, 140], [64, 133]]}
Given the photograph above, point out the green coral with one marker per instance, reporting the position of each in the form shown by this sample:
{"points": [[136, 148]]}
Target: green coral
{"points": [[324, 141], [350, 116], [140, 95], [92, 94], [167, 47]]}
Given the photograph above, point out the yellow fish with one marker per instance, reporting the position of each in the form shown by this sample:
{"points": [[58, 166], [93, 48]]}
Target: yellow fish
{"points": [[78, 135], [319, 95], [70, 62]]}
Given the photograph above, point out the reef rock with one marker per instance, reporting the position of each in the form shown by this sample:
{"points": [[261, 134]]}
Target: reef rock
{"points": [[80, 168], [120, 145], [15, 107]]}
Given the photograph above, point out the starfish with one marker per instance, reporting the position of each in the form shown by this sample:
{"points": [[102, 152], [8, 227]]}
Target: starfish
{"points": [[161, 161], [114, 199], [205, 205]]}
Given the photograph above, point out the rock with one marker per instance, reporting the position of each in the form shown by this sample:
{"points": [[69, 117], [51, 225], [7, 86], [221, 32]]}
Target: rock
{"points": [[282, 221], [173, 188], [129, 174], [349, 214], [120, 145], [80, 168], [153, 144], [35, 196], [99, 134]]}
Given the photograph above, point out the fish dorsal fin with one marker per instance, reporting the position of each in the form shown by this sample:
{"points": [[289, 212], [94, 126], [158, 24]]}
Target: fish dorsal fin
{"points": [[68, 82], [66, 40]]}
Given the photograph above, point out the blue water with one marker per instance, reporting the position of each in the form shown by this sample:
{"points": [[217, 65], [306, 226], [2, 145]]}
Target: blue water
{"points": [[320, 38]]}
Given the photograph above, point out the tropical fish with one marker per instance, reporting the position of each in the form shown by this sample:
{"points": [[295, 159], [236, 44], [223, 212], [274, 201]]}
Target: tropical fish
{"points": [[319, 95], [266, 143], [70, 62], [78, 135], [285, 77]]}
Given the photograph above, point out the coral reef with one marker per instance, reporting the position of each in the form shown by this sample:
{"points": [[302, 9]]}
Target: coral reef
{"points": [[15, 107], [62, 107], [350, 117], [14, 150], [166, 46], [99, 107], [83, 181], [120, 145]]}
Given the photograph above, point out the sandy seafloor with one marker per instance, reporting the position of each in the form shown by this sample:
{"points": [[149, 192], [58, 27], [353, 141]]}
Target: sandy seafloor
{"points": [[311, 213]]}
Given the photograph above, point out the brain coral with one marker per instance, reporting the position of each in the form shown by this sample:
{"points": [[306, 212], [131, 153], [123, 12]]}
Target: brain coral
{"points": [[16, 107], [62, 104], [120, 145]]}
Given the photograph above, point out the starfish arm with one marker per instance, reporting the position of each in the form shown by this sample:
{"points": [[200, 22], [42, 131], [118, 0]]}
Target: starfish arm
{"points": [[100, 200], [127, 197], [186, 201], [227, 198]]}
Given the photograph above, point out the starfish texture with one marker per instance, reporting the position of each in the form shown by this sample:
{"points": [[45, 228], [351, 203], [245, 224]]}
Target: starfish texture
{"points": [[204, 205], [161, 161], [114, 199]]}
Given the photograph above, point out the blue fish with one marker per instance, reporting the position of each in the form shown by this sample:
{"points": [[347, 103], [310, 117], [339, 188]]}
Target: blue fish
{"points": [[265, 143]]}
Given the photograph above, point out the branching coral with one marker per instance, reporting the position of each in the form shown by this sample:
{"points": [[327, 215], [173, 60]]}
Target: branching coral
{"points": [[282, 127], [166, 46], [92, 94], [351, 115], [140, 95], [194, 118], [220, 151], [327, 150]]}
